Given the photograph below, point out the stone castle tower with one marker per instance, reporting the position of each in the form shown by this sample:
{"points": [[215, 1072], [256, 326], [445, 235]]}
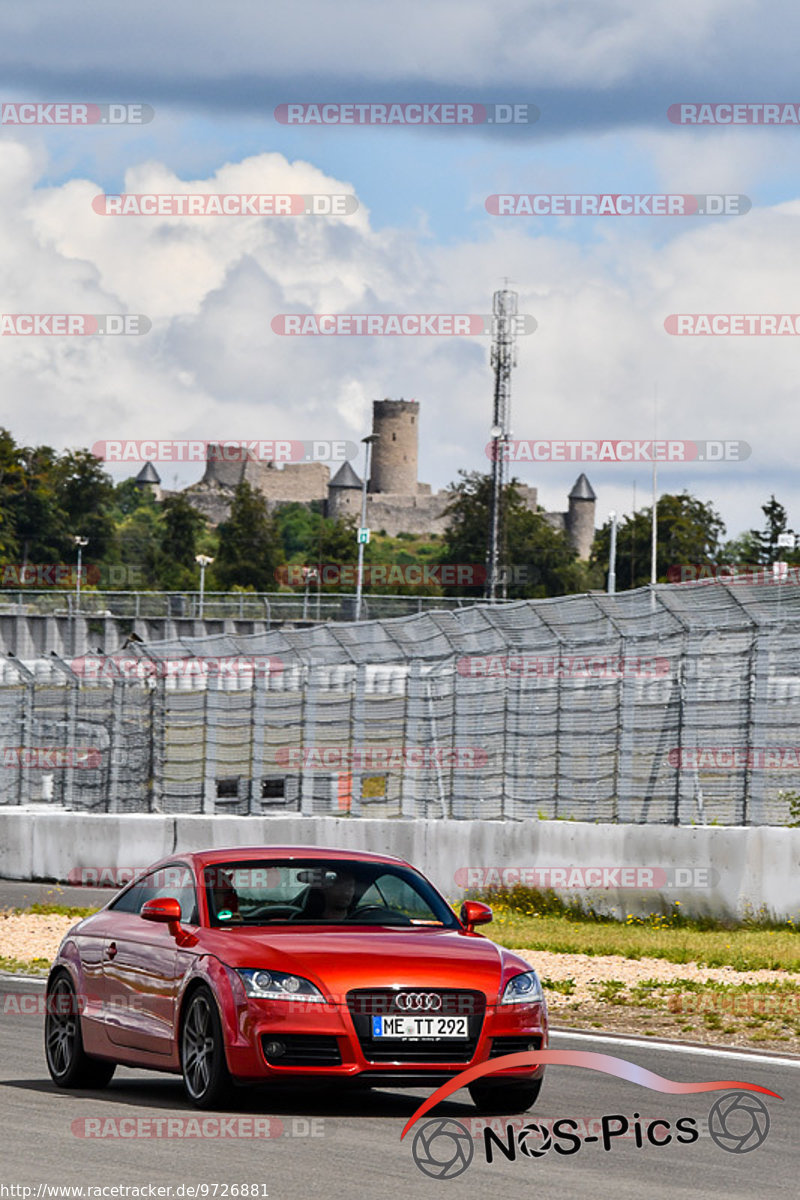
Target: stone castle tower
{"points": [[395, 423], [580, 516]]}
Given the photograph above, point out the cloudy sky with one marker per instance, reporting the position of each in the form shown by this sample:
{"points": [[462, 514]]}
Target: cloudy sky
{"points": [[602, 74]]}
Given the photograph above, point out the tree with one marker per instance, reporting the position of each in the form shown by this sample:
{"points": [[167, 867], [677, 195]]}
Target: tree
{"points": [[250, 549], [764, 543], [38, 523], [688, 533], [130, 497], [538, 558], [179, 528], [138, 539], [84, 494]]}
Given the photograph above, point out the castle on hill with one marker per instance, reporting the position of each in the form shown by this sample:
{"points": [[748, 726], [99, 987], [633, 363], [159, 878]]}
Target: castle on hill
{"points": [[396, 501]]}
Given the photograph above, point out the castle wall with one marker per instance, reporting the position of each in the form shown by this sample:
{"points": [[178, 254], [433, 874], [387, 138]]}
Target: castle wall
{"points": [[408, 514], [294, 481]]}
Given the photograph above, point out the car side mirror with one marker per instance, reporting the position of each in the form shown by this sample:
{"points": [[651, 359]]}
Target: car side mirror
{"points": [[474, 913], [163, 910]]}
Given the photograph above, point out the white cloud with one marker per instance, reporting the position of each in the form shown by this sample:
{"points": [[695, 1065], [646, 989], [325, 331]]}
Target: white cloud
{"points": [[211, 366]]}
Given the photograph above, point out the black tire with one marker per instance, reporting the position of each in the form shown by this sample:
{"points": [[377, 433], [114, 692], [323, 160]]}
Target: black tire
{"points": [[504, 1099], [206, 1078], [67, 1061]]}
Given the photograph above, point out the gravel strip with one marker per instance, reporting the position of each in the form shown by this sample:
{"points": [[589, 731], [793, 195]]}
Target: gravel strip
{"points": [[32, 935], [597, 968]]}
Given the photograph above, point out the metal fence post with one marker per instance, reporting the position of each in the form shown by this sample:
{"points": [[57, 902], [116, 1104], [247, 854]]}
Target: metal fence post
{"points": [[73, 684], [357, 732], [308, 730], [28, 705], [411, 726]]}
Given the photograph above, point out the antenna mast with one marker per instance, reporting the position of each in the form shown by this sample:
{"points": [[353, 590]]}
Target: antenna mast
{"points": [[503, 358]]}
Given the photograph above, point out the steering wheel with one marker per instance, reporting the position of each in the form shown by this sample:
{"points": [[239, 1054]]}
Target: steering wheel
{"points": [[268, 911], [371, 909]]}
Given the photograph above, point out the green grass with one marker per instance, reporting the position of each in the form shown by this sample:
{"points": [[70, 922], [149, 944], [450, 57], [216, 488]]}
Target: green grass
{"points": [[526, 919], [19, 966], [59, 910]]}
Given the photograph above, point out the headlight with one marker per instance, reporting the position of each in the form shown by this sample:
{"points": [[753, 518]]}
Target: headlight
{"points": [[278, 985], [523, 989]]}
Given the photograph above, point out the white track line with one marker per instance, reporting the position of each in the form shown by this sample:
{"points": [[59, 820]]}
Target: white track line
{"points": [[752, 1056]]}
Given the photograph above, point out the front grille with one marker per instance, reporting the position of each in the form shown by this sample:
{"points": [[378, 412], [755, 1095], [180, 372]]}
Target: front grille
{"points": [[302, 1050], [366, 1003], [518, 1043]]}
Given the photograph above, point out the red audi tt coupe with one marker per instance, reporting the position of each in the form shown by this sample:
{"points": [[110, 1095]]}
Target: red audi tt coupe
{"points": [[287, 964]]}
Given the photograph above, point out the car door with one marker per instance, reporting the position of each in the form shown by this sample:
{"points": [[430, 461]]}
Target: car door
{"points": [[143, 964]]}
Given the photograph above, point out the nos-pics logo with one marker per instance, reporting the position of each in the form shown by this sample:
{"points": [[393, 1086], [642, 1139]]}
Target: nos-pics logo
{"points": [[444, 1148]]}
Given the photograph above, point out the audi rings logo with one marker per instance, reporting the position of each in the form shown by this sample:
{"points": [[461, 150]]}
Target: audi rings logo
{"points": [[739, 1122], [418, 1002], [443, 1148]]}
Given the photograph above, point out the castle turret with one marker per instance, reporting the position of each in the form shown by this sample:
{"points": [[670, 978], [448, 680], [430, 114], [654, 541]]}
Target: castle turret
{"points": [[148, 479], [344, 493], [580, 516], [394, 455]]}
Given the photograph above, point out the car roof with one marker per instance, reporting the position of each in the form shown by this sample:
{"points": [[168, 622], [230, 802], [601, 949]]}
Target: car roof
{"points": [[201, 858]]}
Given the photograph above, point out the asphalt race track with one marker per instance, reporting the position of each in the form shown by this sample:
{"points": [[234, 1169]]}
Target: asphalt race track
{"points": [[347, 1144]]}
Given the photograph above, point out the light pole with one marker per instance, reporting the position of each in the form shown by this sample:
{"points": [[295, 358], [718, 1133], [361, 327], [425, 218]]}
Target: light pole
{"points": [[310, 574], [80, 542], [363, 532], [612, 556], [205, 561]]}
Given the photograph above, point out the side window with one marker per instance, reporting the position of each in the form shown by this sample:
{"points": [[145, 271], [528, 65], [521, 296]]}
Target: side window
{"points": [[173, 880], [130, 901]]}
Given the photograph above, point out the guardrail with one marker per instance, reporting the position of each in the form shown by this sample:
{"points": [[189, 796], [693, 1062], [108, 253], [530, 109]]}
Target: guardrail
{"points": [[270, 607]]}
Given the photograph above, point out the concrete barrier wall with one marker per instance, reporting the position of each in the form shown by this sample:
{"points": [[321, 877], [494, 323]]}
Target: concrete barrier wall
{"points": [[720, 871], [34, 635]]}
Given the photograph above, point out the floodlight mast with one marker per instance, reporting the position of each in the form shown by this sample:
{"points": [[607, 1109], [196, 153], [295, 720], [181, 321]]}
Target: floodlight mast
{"points": [[503, 358]]}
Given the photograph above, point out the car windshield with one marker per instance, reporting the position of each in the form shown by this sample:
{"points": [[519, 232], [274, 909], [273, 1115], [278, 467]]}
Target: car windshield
{"points": [[337, 893]]}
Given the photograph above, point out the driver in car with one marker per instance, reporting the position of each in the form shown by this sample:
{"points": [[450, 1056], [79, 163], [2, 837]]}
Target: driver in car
{"points": [[338, 891]]}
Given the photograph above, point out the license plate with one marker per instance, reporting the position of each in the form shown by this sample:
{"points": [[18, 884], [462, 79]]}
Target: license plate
{"points": [[435, 1028]]}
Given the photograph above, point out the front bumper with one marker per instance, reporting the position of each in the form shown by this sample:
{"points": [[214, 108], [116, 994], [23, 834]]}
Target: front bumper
{"points": [[329, 1041]]}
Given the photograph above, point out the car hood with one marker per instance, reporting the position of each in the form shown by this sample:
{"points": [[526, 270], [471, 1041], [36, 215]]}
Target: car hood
{"points": [[338, 960]]}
